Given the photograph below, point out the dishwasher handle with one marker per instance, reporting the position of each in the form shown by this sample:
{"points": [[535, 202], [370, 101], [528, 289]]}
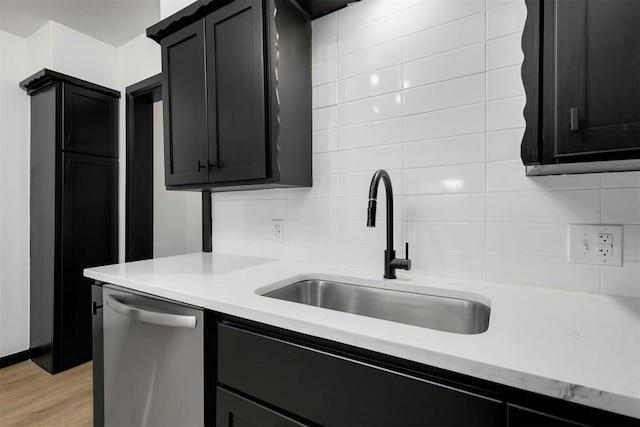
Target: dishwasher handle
{"points": [[148, 316]]}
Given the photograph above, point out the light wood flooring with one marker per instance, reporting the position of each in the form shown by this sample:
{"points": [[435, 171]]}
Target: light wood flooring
{"points": [[29, 396]]}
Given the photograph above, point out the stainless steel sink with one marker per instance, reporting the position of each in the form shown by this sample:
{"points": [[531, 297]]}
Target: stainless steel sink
{"points": [[428, 311]]}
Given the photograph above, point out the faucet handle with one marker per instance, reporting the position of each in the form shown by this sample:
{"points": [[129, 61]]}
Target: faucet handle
{"points": [[403, 264]]}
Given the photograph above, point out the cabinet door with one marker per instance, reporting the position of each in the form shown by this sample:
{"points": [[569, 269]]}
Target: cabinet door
{"points": [[235, 77], [598, 78], [89, 239], [523, 417], [236, 411], [184, 106], [327, 389], [90, 121]]}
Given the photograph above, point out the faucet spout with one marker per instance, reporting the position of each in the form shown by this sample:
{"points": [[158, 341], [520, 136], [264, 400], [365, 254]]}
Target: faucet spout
{"points": [[390, 261]]}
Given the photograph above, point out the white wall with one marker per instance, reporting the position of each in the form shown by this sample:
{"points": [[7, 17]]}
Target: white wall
{"points": [[177, 215], [14, 197], [431, 91]]}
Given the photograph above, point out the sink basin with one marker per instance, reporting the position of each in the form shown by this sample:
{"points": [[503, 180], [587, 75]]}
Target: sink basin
{"points": [[447, 314]]}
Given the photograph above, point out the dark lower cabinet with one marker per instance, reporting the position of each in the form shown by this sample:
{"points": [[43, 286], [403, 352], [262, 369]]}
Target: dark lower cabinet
{"points": [[523, 417], [327, 389], [74, 211], [233, 410], [268, 376]]}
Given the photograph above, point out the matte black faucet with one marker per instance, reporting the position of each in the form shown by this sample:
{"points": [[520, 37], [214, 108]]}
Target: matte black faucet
{"points": [[391, 263]]}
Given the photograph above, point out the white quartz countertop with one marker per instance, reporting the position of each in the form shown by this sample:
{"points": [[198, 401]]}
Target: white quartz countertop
{"points": [[575, 346]]}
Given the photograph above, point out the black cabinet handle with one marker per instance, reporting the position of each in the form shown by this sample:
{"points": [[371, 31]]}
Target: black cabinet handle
{"points": [[201, 166], [574, 119]]}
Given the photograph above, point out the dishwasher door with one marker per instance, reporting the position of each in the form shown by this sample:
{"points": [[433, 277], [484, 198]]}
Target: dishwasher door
{"points": [[153, 361]]}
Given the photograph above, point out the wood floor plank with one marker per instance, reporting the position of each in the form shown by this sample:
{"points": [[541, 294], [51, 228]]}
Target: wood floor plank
{"points": [[29, 396]]}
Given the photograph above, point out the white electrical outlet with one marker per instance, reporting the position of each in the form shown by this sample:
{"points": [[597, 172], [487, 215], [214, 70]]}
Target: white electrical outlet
{"points": [[595, 244], [277, 231]]}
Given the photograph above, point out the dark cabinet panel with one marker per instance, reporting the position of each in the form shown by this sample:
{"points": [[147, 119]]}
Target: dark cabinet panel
{"points": [[85, 111], [74, 211], [330, 390], [598, 77], [582, 78], [523, 417], [236, 411], [185, 106], [89, 239], [237, 96], [236, 92]]}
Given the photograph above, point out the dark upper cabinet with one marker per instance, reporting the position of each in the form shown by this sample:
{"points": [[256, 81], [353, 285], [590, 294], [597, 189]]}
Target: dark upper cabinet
{"points": [[74, 211], [582, 79], [237, 95], [185, 106], [85, 111]]}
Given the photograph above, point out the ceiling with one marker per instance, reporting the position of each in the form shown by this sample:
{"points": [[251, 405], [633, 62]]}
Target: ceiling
{"points": [[114, 22]]}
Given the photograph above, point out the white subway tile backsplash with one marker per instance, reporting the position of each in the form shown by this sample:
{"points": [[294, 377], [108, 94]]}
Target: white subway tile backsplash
{"points": [[504, 83], [310, 231], [323, 186], [357, 184], [250, 209], [355, 208], [324, 72], [510, 176], [446, 66], [371, 134], [445, 207], [444, 151], [542, 271], [623, 281], [454, 35], [528, 239], [459, 236], [431, 91], [436, 12], [452, 93], [312, 209], [631, 243], [620, 179], [505, 113], [504, 144], [497, 3], [324, 49], [370, 34], [444, 123], [365, 61], [504, 51], [325, 95], [505, 20], [325, 163], [621, 206], [324, 26], [563, 207], [359, 13], [325, 118], [371, 109], [370, 84], [325, 140], [357, 233], [453, 264], [468, 178], [371, 159]]}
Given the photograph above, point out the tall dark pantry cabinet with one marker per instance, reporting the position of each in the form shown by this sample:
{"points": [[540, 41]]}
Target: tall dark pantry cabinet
{"points": [[74, 210]]}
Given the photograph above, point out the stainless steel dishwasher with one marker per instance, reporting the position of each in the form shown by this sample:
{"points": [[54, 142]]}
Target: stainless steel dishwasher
{"points": [[153, 361]]}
